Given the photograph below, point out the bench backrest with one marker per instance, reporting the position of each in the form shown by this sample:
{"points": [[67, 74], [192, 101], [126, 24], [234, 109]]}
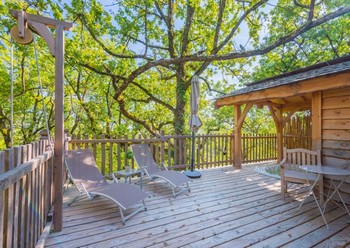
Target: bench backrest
{"points": [[300, 156]]}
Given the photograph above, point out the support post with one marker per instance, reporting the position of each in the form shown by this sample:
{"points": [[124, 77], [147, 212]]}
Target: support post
{"points": [[316, 110], [279, 123], [36, 21], [279, 128], [237, 138], [59, 128], [238, 123]]}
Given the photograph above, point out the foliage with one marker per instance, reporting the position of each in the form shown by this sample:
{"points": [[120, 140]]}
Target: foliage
{"points": [[129, 64]]}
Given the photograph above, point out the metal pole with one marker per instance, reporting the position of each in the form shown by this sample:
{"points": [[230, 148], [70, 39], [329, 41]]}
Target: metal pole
{"points": [[193, 152], [192, 173]]}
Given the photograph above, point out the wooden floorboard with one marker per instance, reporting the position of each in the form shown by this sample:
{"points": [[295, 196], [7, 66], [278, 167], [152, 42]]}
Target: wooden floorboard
{"points": [[225, 208]]}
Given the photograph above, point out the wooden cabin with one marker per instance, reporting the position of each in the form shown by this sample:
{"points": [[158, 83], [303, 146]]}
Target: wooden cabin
{"points": [[324, 89]]}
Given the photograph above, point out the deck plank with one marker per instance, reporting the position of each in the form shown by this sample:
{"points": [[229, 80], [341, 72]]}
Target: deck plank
{"points": [[225, 208]]}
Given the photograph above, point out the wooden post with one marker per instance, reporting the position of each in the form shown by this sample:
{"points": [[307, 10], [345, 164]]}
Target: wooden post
{"points": [[238, 123], [59, 128], [316, 120], [277, 118], [316, 110], [57, 45], [279, 128], [280, 123], [237, 138]]}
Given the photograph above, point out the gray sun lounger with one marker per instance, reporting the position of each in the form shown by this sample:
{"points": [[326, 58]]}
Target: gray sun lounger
{"points": [[146, 163], [85, 175]]}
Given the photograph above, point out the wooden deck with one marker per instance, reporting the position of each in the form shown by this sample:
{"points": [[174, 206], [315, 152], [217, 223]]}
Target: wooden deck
{"points": [[226, 208]]}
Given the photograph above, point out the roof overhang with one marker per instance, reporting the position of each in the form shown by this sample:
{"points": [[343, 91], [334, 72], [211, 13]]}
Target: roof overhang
{"points": [[293, 91]]}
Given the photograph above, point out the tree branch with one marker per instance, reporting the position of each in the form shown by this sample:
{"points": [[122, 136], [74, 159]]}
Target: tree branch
{"points": [[153, 98], [107, 50], [188, 24], [235, 55], [133, 117]]}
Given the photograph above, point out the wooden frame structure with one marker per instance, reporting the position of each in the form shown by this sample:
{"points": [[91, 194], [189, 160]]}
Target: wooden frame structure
{"points": [[40, 25], [324, 89]]}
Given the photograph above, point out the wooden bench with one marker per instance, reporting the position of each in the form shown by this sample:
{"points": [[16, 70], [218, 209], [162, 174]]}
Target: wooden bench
{"points": [[290, 171]]}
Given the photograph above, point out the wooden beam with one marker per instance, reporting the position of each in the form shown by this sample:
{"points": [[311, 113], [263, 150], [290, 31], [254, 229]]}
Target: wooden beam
{"points": [[41, 19], [45, 33], [244, 114], [279, 101], [295, 107], [293, 89], [59, 129]]}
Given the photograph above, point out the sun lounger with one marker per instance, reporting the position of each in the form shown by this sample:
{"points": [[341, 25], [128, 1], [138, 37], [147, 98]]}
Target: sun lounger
{"points": [[147, 165], [89, 181]]}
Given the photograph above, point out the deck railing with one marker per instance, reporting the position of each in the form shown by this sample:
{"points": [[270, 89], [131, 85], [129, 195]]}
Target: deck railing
{"points": [[175, 150], [26, 194], [26, 172], [259, 147]]}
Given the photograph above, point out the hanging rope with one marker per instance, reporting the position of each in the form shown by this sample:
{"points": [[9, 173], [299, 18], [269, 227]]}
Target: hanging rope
{"points": [[11, 96], [41, 91]]}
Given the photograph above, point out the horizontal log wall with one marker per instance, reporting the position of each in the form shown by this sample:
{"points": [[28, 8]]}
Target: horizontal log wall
{"points": [[26, 194], [336, 129]]}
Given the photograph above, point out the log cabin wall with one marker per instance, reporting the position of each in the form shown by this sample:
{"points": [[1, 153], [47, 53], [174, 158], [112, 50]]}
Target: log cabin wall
{"points": [[336, 130]]}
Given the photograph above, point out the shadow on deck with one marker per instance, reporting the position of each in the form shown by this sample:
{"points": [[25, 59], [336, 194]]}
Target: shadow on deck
{"points": [[226, 208]]}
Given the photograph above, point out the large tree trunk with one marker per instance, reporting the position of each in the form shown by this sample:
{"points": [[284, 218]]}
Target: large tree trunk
{"points": [[179, 117]]}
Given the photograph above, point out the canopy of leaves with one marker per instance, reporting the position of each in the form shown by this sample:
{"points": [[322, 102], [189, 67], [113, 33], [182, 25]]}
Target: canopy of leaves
{"points": [[129, 63]]}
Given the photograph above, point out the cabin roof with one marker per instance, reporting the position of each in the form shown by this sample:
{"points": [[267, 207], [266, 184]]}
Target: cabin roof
{"points": [[318, 70]]}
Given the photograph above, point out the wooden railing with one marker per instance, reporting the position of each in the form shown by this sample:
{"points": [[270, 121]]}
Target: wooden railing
{"points": [[175, 151], [259, 147], [26, 194], [26, 172]]}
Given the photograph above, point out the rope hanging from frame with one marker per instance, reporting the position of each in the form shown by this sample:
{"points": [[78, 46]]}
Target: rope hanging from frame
{"points": [[11, 95], [40, 89]]}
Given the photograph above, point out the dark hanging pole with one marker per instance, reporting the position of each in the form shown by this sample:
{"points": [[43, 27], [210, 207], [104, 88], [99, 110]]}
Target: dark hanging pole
{"points": [[192, 173], [193, 152]]}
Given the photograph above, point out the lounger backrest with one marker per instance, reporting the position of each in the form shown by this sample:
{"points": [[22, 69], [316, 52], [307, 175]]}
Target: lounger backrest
{"points": [[82, 168], [144, 158]]}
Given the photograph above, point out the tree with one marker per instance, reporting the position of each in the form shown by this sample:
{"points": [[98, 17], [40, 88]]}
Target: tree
{"points": [[164, 43], [324, 42], [129, 64]]}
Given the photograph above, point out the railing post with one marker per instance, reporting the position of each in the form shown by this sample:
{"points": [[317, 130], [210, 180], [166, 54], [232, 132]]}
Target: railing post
{"points": [[67, 138]]}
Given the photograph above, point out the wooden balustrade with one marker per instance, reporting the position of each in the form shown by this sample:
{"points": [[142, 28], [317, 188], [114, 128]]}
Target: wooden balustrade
{"points": [[26, 193], [175, 150], [26, 172], [259, 147]]}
